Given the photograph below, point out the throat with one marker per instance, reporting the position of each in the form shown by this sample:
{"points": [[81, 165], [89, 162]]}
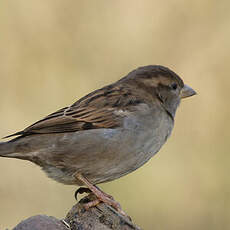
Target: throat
{"points": [[169, 113], [164, 106]]}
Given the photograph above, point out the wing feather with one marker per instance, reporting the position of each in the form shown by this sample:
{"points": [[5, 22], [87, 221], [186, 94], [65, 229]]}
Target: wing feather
{"points": [[95, 110]]}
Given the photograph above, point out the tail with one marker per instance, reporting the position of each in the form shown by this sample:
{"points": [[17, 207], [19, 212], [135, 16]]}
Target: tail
{"points": [[6, 148], [15, 149]]}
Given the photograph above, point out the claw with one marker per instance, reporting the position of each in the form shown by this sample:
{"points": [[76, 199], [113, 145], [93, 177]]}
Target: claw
{"points": [[81, 190]]}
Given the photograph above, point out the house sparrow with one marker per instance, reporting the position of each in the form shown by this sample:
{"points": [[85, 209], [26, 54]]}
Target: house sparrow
{"points": [[106, 134]]}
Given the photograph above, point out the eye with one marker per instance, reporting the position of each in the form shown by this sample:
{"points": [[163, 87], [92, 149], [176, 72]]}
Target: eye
{"points": [[174, 86]]}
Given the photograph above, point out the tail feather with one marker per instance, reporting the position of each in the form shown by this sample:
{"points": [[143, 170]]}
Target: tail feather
{"points": [[5, 149]]}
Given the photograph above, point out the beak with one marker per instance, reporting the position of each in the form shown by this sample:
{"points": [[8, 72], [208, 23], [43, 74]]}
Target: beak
{"points": [[187, 92]]}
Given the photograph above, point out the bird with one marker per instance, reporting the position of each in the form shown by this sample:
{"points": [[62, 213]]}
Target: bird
{"points": [[106, 134]]}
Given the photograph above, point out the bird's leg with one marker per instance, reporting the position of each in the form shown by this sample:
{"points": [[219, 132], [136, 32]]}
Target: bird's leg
{"points": [[101, 196], [109, 196]]}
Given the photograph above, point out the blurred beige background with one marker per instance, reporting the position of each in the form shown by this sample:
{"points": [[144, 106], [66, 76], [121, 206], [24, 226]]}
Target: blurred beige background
{"points": [[53, 52]]}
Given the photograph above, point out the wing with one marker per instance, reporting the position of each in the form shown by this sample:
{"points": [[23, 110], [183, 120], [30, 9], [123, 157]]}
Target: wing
{"points": [[99, 109]]}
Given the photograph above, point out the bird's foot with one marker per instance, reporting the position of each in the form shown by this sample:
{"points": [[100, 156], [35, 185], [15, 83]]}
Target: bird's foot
{"points": [[101, 196], [105, 198]]}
